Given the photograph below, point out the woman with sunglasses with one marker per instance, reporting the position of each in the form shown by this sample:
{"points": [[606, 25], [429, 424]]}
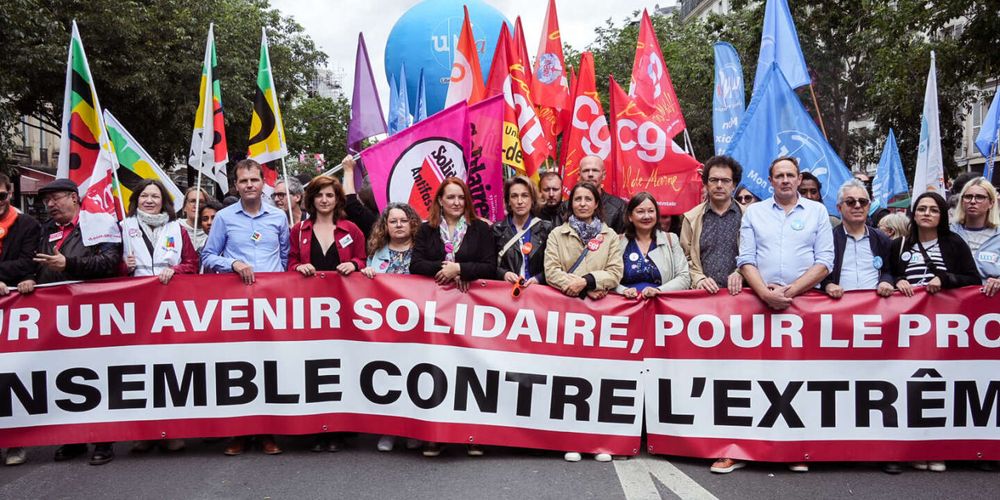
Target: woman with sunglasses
{"points": [[521, 237], [654, 261], [744, 197], [978, 220]]}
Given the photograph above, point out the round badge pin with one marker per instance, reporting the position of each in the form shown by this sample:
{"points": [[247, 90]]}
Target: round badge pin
{"points": [[905, 256], [633, 256], [877, 262], [526, 248], [798, 225]]}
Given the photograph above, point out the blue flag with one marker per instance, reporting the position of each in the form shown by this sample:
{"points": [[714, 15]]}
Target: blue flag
{"points": [[399, 113], [779, 43], [988, 140], [890, 179], [777, 124], [421, 100], [728, 103]]}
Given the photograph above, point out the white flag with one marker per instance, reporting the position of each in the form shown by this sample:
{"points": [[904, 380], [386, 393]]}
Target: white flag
{"points": [[929, 175]]}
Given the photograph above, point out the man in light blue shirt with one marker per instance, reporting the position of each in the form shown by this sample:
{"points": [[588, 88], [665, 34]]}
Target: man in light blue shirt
{"points": [[249, 236], [861, 252], [786, 243]]}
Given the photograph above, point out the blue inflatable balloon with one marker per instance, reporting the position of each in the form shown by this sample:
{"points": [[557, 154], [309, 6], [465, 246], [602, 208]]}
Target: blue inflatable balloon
{"points": [[425, 37]]}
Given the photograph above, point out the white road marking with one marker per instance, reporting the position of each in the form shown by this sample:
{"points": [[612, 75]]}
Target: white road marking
{"points": [[636, 476]]}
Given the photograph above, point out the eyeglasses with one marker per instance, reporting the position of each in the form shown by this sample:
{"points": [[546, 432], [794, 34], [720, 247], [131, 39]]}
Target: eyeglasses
{"points": [[53, 198], [720, 180], [747, 198], [978, 198], [856, 202], [518, 287]]}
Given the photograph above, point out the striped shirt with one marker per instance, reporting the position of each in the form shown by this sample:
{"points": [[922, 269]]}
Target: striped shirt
{"points": [[917, 270]]}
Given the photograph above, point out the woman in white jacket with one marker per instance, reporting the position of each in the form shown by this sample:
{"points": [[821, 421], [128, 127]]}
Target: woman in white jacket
{"points": [[654, 260]]}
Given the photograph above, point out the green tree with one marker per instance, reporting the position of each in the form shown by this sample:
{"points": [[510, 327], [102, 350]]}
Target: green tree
{"points": [[146, 59], [318, 125]]}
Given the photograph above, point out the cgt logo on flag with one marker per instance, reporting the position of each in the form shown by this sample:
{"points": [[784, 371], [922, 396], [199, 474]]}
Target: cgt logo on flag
{"points": [[417, 173], [549, 68]]}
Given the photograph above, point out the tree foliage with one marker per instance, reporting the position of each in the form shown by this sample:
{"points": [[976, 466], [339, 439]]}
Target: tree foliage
{"points": [[869, 60], [146, 58], [318, 125]]}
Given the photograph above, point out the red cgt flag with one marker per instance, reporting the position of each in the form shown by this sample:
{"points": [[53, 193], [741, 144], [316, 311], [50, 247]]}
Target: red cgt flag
{"points": [[645, 158], [536, 145], [651, 86], [587, 131], [549, 86]]}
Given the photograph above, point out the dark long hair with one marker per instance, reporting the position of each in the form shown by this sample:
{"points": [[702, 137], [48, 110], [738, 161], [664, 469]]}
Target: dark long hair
{"points": [[166, 201], [599, 210], [632, 205], [942, 227]]}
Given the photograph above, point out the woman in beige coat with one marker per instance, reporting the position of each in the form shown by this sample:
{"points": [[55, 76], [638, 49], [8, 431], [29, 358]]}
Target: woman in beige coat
{"points": [[583, 257]]}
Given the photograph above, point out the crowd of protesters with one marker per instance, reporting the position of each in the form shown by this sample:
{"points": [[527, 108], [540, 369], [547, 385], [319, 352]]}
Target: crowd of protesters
{"points": [[588, 246]]}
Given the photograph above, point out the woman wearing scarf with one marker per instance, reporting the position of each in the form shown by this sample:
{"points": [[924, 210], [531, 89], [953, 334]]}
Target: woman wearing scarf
{"points": [[455, 248], [521, 237], [583, 258], [193, 196], [155, 244]]}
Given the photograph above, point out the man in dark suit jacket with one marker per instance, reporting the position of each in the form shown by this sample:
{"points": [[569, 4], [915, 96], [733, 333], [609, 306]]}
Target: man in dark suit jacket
{"points": [[861, 252], [62, 256]]}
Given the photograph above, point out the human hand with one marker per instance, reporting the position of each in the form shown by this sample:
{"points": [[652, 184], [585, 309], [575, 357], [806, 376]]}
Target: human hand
{"points": [[597, 294], [775, 298], [575, 286], [885, 289], [346, 268], [630, 293], [166, 275], [245, 271], [130, 263], [934, 285], [650, 292], [369, 272], [905, 287], [510, 277], [306, 269], [26, 286], [991, 287], [56, 262], [709, 285], [735, 284], [835, 291]]}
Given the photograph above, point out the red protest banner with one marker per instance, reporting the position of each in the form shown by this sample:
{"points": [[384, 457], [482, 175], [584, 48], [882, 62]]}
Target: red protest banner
{"points": [[860, 378], [208, 356]]}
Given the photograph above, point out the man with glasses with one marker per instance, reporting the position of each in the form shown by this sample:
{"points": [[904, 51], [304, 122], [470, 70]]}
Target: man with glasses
{"points": [[861, 252], [786, 243], [18, 242], [295, 191], [710, 231], [62, 256]]}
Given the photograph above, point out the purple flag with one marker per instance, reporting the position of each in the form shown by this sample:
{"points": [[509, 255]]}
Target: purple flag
{"points": [[366, 109]]}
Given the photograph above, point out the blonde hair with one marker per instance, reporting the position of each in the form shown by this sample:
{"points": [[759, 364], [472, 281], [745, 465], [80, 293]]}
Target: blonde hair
{"points": [[993, 217], [899, 224]]}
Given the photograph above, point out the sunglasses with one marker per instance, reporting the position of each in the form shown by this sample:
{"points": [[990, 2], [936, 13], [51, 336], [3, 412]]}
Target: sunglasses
{"points": [[4, 195], [518, 287], [857, 202], [747, 198]]}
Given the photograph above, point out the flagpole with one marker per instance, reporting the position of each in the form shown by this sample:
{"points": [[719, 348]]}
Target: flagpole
{"points": [[288, 196], [206, 116], [818, 114]]}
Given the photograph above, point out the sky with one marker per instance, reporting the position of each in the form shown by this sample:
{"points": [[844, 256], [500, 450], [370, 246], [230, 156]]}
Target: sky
{"points": [[334, 25]]}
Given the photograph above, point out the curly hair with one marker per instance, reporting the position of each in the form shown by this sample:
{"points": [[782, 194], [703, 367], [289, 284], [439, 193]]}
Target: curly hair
{"points": [[380, 232]]}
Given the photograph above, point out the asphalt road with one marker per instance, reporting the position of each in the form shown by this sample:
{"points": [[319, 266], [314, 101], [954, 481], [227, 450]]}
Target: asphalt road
{"points": [[360, 471]]}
